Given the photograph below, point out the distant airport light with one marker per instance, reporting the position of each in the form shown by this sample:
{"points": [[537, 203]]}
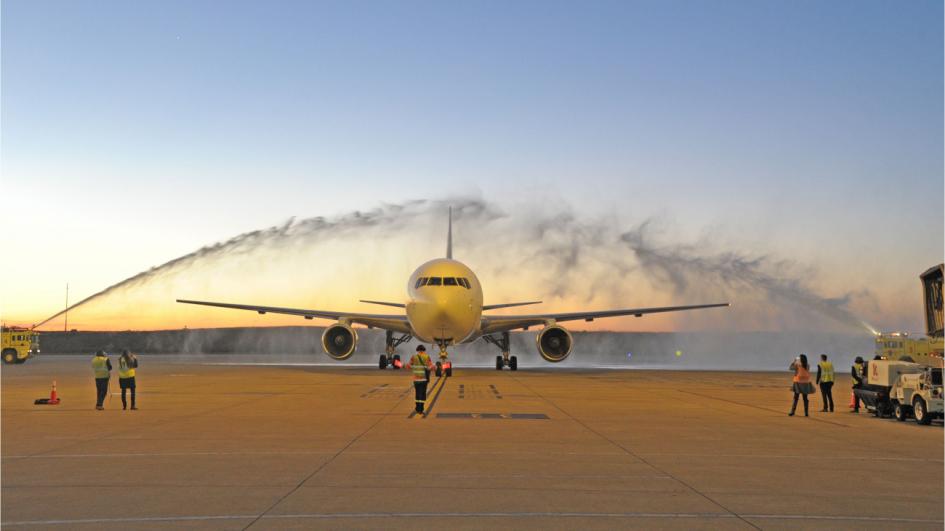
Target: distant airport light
{"points": [[678, 353], [629, 355]]}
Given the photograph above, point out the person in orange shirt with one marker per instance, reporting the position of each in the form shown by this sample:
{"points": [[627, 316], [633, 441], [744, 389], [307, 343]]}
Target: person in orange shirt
{"points": [[802, 385]]}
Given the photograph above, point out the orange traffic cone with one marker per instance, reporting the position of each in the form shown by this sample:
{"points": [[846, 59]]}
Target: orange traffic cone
{"points": [[53, 399], [852, 400], [53, 396]]}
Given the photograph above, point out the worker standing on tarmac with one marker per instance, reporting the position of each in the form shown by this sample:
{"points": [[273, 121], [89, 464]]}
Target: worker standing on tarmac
{"points": [[101, 366], [802, 385], [858, 371], [127, 364], [420, 365], [825, 381]]}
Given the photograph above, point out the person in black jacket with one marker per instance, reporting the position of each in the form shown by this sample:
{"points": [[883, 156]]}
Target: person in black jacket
{"points": [[858, 372]]}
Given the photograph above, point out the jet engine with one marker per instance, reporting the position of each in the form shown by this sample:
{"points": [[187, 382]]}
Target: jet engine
{"points": [[339, 341], [554, 343]]}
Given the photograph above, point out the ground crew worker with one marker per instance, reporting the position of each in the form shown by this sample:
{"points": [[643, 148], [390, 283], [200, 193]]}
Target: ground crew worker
{"points": [[802, 385], [127, 364], [420, 365], [825, 381], [101, 366], [858, 371]]}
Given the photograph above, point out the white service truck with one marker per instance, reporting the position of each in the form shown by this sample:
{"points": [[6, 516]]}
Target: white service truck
{"points": [[903, 389]]}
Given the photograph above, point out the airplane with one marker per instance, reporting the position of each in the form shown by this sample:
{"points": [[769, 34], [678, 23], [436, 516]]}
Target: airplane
{"points": [[445, 307]]}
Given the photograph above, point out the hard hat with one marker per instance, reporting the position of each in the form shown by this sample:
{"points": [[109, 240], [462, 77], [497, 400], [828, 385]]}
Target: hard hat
{"points": [[100, 353], [858, 359], [421, 348]]}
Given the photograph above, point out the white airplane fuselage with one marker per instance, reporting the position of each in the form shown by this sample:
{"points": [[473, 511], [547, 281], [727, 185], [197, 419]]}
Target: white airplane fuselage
{"points": [[444, 302]]}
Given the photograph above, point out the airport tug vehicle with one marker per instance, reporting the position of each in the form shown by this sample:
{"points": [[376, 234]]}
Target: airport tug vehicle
{"points": [[18, 344], [903, 389]]}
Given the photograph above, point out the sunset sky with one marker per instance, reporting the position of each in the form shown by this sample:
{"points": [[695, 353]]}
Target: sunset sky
{"points": [[804, 138]]}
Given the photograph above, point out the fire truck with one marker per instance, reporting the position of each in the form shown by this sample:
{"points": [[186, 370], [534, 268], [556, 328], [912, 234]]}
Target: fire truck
{"points": [[18, 344], [927, 351]]}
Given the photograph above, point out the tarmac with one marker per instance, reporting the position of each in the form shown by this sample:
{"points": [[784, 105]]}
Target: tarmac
{"points": [[216, 445]]}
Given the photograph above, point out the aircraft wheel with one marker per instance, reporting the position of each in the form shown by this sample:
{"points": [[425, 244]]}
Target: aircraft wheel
{"points": [[900, 412], [449, 371], [9, 356], [439, 369], [498, 363], [921, 412], [513, 363], [382, 362]]}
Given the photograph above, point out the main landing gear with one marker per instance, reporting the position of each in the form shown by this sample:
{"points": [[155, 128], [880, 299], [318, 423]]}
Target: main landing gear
{"points": [[505, 360], [391, 344], [444, 366]]}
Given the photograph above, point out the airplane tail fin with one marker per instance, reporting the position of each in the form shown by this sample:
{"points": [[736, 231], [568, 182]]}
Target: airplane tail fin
{"points": [[449, 236]]}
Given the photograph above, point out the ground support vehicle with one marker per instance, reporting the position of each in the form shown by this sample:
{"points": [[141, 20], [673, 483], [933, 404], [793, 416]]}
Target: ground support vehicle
{"points": [[18, 344]]}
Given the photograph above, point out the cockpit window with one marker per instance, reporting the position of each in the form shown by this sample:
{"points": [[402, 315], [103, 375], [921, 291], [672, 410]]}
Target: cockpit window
{"points": [[449, 281], [420, 281], [463, 282], [434, 281]]}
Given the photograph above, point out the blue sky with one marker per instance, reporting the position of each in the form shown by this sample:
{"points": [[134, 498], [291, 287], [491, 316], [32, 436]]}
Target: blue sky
{"points": [[146, 129]]}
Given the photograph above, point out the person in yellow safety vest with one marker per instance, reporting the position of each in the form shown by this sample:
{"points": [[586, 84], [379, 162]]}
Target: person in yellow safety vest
{"points": [[825, 380], [127, 364], [420, 365], [101, 366], [858, 371]]}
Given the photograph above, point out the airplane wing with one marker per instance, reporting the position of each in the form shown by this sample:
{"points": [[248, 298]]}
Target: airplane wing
{"points": [[504, 323], [397, 323]]}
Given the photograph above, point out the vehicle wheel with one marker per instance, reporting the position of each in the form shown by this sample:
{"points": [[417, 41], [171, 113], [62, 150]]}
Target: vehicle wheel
{"points": [[439, 369], [498, 363], [382, 362], [900, 412], [9, 356], [921, 413], [513, 363]]}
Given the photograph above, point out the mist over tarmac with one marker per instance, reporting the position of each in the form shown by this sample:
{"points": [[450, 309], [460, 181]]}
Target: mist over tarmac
{"points": [[533, 251], [763, 351]]}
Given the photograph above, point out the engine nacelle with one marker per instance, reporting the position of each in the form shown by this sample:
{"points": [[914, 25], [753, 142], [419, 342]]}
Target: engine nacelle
{"points": [[554, 343], [339, 341]]}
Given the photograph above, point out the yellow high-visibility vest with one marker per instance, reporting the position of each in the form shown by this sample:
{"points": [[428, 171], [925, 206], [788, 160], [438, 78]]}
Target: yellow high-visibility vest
{"points": [[826, 371], [418, 364], [125, 370], [860, 369], [100, 366]]}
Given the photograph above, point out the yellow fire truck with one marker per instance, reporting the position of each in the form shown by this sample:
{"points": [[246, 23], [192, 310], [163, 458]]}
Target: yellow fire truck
{"points": [[926, 351], [18, 344]]}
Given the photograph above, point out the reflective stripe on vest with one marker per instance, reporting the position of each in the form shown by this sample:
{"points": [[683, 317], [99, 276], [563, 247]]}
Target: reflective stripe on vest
{"points": [[826, 371], [124, 369], [418, 364], [100, 366], [859, 368]]}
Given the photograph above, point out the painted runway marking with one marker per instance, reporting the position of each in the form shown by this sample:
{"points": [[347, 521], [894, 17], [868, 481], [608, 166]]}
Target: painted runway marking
{"points": [[495, 391], [413, 414], [334, 516], [436, 396], [512, 416], [374, 390]]}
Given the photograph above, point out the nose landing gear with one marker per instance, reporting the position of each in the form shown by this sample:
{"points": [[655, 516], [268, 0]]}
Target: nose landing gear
{"points": [[505, 360], [444, 366], [390, 358]]}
